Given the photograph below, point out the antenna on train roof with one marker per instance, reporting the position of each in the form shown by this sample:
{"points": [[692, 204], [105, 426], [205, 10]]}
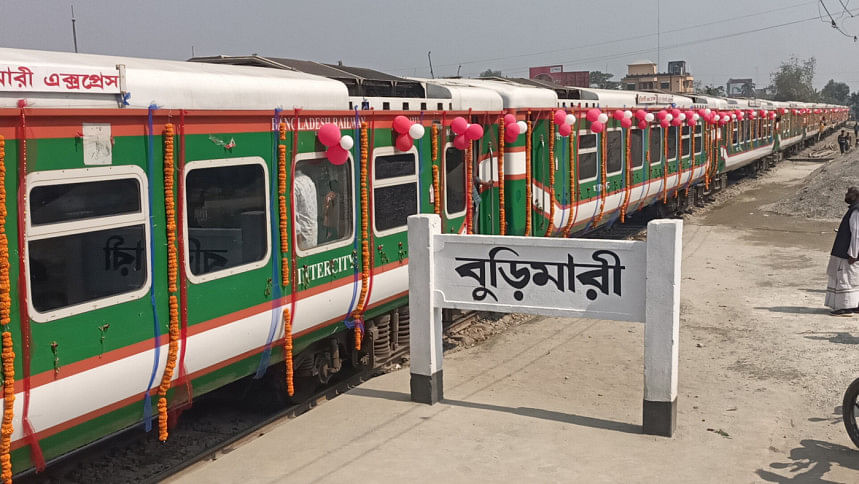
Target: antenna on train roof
{"points": [[429, 56], [74, 31]]}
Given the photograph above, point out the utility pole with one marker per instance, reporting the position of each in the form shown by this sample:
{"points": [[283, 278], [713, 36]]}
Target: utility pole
{"points": [[429, 56], [658, 38], [74, 31]]}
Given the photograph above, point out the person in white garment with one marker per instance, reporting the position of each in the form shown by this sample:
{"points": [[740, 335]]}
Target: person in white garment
{"points": [[842, 288], [305, 211]]}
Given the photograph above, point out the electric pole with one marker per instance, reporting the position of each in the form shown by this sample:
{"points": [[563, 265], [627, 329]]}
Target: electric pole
{"points": [[74, 31], [429, 56]]}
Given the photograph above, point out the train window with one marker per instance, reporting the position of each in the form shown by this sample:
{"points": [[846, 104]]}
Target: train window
{"points": [[423, 106], [84, 200], [699, 146], [655, 147], [87, 246], [614, 152], [672, 142], [636, 140], [684, 142], [395, 190], [440, 106], [747, 130], [226, 207], [386, 106], [587, 156], [454, 181], [736, 132], [323, 203]]}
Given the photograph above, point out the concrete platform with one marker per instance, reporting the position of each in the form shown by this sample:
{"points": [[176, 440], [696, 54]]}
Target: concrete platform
{"points": [[762, 372]]}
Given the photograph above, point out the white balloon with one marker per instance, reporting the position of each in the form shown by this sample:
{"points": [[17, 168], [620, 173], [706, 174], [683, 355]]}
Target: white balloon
{"points": [[603, 118], [649, 117], [696, 117], [417, 131], [523, 127], [707, 111], [669, 117], [570, 119], [733, 116], [682, 117], [346, 142], [627, 114]]}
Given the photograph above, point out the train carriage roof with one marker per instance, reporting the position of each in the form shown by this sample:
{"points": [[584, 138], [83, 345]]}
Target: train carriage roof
{"points": [[710, 101], [514, 95], [178, 85], [462, 97]]}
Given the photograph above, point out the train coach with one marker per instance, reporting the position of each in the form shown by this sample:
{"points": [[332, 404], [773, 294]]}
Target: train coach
{"points": [[167, 228]]}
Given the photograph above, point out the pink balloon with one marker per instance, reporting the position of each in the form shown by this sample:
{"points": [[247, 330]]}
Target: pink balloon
{"points": [[401, 124], [675, 112], [460, 142], [597, 127], [593, 114], [640, 114], [676, 122], [336, 155], [560, 116], [509, 119], [664, 123], [509, 136], [702, 112], [690, 121], [512, 127], [618, 114], [625, 122], [329, 134], [642, 124], [474, 132], [564, 129], [661, 114], [459, 125], [404, 142]]}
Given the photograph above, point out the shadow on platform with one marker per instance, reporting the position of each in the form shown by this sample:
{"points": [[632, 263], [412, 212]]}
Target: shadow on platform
{"points": [[795, 309], [568, 418], [811, 462], [833, 337]]}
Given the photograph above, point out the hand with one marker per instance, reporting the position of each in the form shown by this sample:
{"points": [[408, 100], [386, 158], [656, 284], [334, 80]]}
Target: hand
{"points": [[851, 260]]}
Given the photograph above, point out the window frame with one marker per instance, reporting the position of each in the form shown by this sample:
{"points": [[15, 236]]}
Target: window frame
{"points": [[685, 137], [622, 151], [580, 151], [661, 139], [222, 163], [61, 229], [642, 152], [698, 134], [462, 212], [389, 182], [330, 245]]}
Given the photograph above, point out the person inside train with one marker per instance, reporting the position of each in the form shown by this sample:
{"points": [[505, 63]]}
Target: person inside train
{"points": [[842, 288], [305, 211]]}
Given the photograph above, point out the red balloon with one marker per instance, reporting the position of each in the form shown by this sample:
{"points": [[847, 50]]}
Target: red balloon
{"points": [[510, 136], [404, 142], [593, 114], [676, 122], [675, 112], [401, 124], [560, 116], [661, 114], [564, 129], [512, 128], [474, 132], [460, 142], [337, 155], [509, 118], [664, 123], [640, 114], [597, 127], [690, 121], [618, 114], [459, 125], [642, 124], [625, 122], [329, 134]]}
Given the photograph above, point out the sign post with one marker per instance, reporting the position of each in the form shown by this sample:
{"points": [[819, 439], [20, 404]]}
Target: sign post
{"points": [[600, 279]]}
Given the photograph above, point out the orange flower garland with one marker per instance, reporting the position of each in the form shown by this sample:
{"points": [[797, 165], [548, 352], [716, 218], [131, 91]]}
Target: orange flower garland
{"points": [[691, 157], [287, 351], [550, 227], [172, 272], [502, 216], [665, 165], [435, 178], [281, 190], [528, 200], [604, 186], [469, 182], [8, 353], [358, 313]]}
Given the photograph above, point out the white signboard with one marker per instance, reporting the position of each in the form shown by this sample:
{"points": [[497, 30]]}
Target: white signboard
{"points": [[70, 79], [554, 277], [646, 99]]}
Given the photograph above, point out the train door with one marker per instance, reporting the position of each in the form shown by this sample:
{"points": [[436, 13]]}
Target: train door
{"points": [[452, 192]]}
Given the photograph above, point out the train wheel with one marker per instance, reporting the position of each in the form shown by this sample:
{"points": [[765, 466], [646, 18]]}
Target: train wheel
{"points": [[850, 411]]}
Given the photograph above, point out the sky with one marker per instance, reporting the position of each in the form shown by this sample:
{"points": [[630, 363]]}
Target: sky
{"points": [[719, 39]]}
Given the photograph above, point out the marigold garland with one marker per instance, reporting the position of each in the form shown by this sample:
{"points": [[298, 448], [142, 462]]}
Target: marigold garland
{"points": [[603, 177], [172, 273], [502, 216], [551, 225], [665, 165], [627, 179], [528, 200], [435, 175], [358, 313], [691, 158], [8, 353], [287, 351], [469, 182]]}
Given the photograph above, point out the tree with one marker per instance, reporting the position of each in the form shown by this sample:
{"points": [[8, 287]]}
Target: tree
{"points": [[602, 80], [709, 90], [793, 80], [835, 92], [490, 73], [854, 104]]}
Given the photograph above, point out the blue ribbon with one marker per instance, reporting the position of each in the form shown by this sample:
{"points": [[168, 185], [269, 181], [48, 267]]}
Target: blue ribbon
{"points": [[275, 237], [125, 98], [156, 329], [347, 321]]}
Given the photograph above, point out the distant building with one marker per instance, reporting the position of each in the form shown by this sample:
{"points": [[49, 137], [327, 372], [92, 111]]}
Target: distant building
{"points": [[557, 75], [740, 88], [644, 76]]}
